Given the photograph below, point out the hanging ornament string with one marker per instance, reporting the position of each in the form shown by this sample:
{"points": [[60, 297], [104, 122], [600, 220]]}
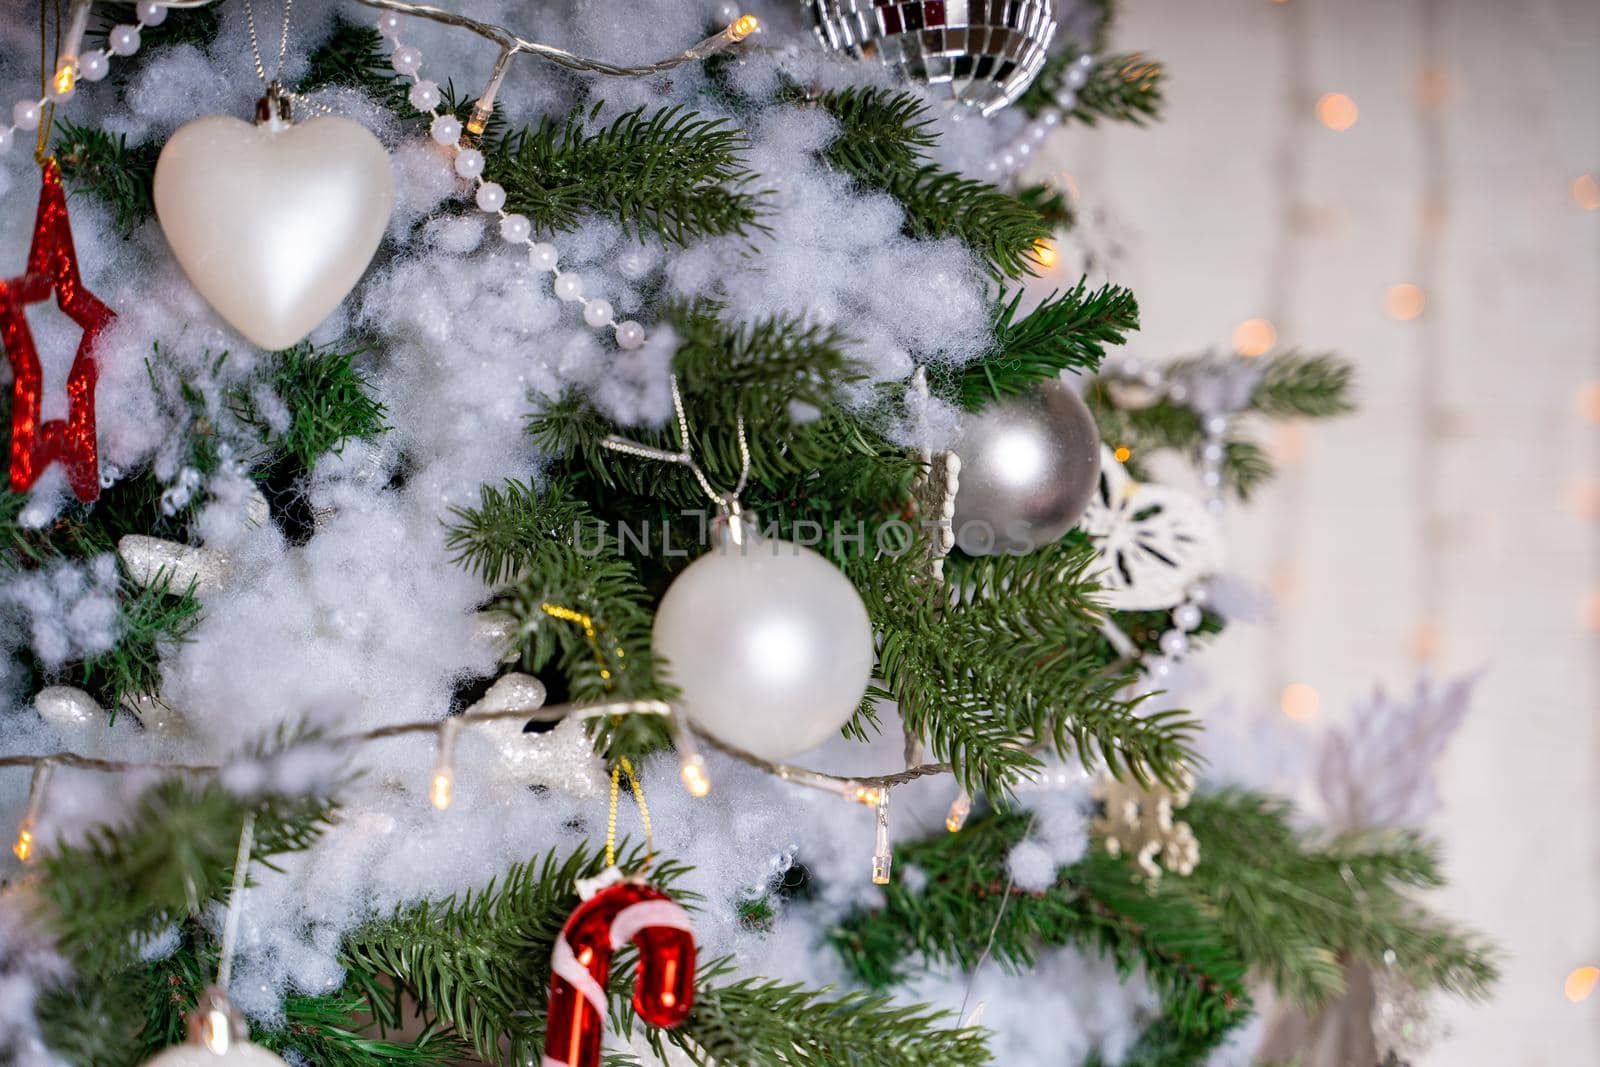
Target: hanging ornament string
{"points": [[255, 45], [727, 502], [624, 767]]}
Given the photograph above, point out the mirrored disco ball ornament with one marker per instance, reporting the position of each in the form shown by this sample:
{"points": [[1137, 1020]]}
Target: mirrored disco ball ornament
{"points": [[983, 53]]}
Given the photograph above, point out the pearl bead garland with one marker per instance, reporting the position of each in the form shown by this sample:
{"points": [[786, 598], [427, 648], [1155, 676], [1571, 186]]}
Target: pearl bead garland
{"points": [[1011, 158], [123, 40], [446, 130]]}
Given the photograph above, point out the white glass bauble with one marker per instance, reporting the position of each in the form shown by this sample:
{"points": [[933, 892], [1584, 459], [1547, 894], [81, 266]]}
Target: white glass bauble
{"points": [[240, 1054], [769, 644], [1028, 468], [274, 224]]}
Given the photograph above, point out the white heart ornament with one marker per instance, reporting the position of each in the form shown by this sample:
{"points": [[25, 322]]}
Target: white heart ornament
{"points": [[273, 223]]}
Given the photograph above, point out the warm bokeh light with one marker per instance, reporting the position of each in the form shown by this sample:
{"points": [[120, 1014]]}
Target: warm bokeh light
{"points": [[1591, 610], [1581, 982], [1433, 87], [1253, 337], [1404, 301], [1426, 640], [1337, 111], [1586, 191], [744, 26], [1583, 500], [1123, 453], [1299, 701], [65, 79], [1288, 443], [1589, 401], [1044, 253], [23, 849]]}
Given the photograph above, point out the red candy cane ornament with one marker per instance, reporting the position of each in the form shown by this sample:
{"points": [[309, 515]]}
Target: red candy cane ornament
{"points": [[663, 992]]}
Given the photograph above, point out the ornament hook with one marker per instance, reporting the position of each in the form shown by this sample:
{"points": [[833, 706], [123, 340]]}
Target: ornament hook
{"points": [[273, 109]]}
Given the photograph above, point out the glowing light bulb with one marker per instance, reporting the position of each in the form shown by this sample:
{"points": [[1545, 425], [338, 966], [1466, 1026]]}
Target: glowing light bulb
{"points": [[866, 794], [960, 808], [66, 78], [693, 773], [442, 790], [23, 849], [442, 786], [1044, 253], [217, 1032], [744, 26], [1123, 453]]}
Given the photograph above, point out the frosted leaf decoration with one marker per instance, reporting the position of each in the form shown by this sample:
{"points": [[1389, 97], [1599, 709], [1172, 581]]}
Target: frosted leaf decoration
{"points": [[562, 758], [1137, 820], [1154, 542]]}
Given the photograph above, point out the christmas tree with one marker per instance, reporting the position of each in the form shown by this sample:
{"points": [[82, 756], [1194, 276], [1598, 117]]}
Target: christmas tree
{"points": [[604, 478]]}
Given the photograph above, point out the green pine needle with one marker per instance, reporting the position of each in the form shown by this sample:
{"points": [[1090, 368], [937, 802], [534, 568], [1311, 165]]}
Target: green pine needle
{"points": [[1067, 331], [327, 400], [670, 173]]}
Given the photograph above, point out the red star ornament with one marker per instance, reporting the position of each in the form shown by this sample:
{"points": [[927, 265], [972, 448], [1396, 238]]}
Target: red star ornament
{"points": [[52, 268]]}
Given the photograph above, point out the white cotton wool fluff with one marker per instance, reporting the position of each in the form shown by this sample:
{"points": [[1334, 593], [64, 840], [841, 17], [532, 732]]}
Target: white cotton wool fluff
{"points": [[368, 622]]}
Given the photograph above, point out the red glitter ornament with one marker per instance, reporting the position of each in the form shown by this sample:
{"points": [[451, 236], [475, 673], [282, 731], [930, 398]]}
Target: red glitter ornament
{"points": [[663, 992], [52, 267]]}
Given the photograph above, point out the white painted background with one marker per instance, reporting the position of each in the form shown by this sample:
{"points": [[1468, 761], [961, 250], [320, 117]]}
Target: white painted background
{"points": [[1461, 508]]}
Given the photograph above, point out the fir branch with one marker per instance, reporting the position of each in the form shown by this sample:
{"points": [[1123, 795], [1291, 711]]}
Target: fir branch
{"points": [[122, 885], [1009, 664], [1317, 386], [1000, 228], [1094, 904], [150, 620], [355, 56], [671, 173], [880, 145], [327, 402], [880, 129], [1051, 203], [1298, 910], [104, 166], [1290, 384], [755, 1022], [1067, 330], [1120, 88]]}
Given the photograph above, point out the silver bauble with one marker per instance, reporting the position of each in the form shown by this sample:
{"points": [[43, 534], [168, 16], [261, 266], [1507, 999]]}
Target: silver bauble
{"points": [[769, 644], [983, 53], [1029, 466]]}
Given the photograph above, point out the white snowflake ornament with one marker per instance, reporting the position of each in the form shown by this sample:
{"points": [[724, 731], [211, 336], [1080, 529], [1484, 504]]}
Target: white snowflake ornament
{"points": [[1154, 542], [562, 758]]}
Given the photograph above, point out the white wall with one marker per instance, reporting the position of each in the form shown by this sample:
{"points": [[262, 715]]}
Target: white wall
{"points": [[1445, 524]]}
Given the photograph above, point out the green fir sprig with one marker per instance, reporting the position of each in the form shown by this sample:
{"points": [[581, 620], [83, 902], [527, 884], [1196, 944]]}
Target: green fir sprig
{"points": [[881, 145], [1068, 330]]}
